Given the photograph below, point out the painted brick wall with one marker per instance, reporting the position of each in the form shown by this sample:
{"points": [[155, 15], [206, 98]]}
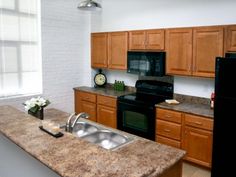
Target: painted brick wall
{"points": [[65, 53]]}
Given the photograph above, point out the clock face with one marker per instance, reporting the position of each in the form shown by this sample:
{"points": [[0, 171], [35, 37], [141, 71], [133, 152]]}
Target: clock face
{"points": [[100, 79]]}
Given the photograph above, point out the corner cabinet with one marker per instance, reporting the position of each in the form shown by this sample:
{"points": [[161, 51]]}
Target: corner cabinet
{"points": [[146, 40], [230, 38], [102, 109], [192, 133], [109, 50], [99, 50]]}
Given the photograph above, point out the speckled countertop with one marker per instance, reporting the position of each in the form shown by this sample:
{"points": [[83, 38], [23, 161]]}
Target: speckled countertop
{"points": [[190, 104], [105, 91], [73, 157], [192, 108]]}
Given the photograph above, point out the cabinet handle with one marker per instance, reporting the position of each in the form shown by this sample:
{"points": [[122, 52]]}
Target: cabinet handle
{"points": [[168, 116], [166, 130], [198, 123], [87, 98]]}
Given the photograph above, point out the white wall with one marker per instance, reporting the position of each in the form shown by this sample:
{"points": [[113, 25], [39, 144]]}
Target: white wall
{"points": [[147, 14], [65, 53]]}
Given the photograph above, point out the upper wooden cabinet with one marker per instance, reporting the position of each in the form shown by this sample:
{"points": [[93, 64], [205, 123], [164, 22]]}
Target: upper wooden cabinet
{"points": [[192, 51], [99, 50], [230, 38], [179, 51], [109, 50], [117, 50], [208, 43], [146, 40]]}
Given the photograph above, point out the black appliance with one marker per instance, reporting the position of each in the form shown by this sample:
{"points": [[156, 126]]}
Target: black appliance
{"points": [[146, 63], [224, 113], [136, 112]]}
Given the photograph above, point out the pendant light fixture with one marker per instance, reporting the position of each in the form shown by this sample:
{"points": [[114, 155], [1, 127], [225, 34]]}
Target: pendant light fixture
{"points": [[89, 5]]}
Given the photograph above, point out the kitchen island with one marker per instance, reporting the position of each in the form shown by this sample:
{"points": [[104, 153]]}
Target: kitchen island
{"points": [[72, 157]]}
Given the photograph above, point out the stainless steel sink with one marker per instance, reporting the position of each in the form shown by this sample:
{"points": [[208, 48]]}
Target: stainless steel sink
{"points": [[103, 137], [83, 128], [107, 139]]}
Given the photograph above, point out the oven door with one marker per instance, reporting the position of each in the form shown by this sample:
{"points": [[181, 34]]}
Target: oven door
{"points": [[136, 119]]}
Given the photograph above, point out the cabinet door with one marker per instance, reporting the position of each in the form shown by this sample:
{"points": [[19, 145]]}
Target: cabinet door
{"points": [[89, 108], [137, 40], [198, 145], [155, 39], [117, 50], [99, 50], [106, 116], [231, 38], [77, 100], [178, 51], [207, 45]]}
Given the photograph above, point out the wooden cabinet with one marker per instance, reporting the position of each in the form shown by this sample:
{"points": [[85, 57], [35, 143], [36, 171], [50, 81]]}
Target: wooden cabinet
{"points": [[197, 139], [146, 39], [168, 127], [192, 51], [186, 131], [230, 38], [179, 51], [102, 109], [86, 102], [106, 111], [208, 43], [117, 50], [109, 50], [99, 50]]}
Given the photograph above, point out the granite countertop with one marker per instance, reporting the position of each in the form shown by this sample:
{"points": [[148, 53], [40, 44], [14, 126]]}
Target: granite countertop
{"points": [[105, 91], [72, 157], [187, 107]]}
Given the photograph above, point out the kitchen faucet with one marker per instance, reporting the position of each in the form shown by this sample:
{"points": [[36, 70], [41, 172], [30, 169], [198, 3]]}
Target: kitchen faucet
{"points": [[69, 126]]}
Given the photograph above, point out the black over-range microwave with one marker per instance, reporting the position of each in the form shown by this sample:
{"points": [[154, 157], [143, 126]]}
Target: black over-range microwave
{"points": [[146, 63]]}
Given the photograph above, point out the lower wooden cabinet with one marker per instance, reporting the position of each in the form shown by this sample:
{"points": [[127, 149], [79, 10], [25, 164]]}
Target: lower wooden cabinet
{"points": [[89, 108], [189, 132], [101, 109], [197, 139], [106, 116], [198, 145]]}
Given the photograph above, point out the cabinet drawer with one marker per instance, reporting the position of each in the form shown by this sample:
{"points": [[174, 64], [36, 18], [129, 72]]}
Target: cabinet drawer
{"points": [[168, 129], [106, 101], [167, 141], [87, 97], [199, 122], [168, 115]]}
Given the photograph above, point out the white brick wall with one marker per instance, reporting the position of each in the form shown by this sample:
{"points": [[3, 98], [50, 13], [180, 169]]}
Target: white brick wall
{"points": [[65, 53]]}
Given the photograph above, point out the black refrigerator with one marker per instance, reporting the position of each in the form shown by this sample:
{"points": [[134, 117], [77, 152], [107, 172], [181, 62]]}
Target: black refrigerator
{"points": [[224, 132]]}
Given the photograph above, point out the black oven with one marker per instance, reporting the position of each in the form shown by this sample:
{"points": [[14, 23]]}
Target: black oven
{"points": [[137, 119], [136, 111]]}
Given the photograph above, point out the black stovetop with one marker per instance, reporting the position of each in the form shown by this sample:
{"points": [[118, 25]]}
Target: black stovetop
{"points": [[149, 92]]}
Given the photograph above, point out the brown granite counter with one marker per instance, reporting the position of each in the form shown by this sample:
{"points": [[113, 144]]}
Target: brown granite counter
{"points": [[73, 157], [190, 104], [104, 91]]}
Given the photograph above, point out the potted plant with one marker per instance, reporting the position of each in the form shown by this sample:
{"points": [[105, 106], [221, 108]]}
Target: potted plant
{"points": [[35, 106]]}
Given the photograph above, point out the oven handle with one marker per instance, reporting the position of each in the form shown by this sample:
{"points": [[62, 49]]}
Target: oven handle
{"points": [[121, 104]]}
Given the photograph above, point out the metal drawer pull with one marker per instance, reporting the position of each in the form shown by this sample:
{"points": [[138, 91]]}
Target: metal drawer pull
{"points": [[168, 116], [166, 130], [198, 123]]}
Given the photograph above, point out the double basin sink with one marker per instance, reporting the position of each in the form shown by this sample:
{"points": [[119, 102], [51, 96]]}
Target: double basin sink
{"points": [[105, 138]]}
